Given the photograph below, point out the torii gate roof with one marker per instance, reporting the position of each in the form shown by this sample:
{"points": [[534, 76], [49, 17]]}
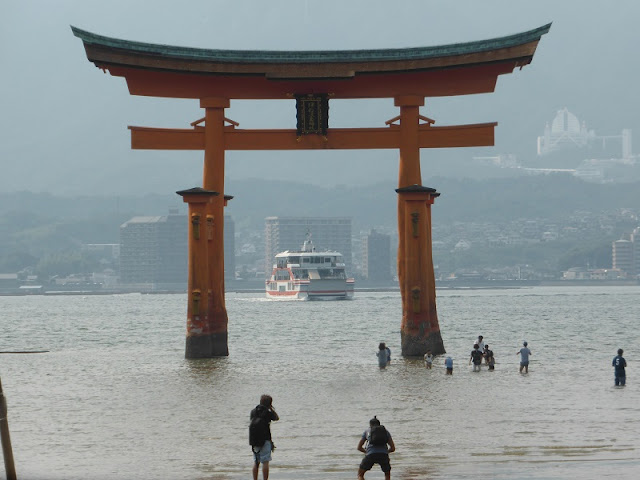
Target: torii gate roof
{"points": [[182, 72]]}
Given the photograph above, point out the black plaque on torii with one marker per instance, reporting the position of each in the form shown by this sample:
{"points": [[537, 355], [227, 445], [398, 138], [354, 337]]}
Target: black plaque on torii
{"points": [[312, 114]]}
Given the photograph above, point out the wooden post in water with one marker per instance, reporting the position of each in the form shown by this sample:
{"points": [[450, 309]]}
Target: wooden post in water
{"points": [[213, 179], [420, 331], [200, 343], [7, 451]]}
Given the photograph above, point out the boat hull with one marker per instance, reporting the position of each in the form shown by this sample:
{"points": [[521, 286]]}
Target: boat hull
{"points": [[319, 290]]}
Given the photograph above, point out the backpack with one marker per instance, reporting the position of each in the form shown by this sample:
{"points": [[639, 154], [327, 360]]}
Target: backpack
{"points": [[258, 431], [378, 436]]}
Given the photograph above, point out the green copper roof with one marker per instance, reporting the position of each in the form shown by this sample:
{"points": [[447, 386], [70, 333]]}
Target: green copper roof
{"points": [[312, 56]]}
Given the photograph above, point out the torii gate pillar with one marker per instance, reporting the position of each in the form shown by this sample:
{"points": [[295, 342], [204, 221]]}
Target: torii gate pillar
{"points": [[200, 338], [213, 179], [420, 331]]}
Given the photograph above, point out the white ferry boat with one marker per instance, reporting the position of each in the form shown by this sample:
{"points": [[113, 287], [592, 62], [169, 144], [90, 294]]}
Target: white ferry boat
{"points": [[309, 275]]}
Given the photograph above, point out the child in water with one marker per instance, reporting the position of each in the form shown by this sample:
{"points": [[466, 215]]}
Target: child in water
{"points": [[428, 360], [448, 363], [491, 361]]}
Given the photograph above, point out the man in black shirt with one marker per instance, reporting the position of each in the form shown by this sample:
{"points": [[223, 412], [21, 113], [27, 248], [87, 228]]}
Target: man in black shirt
{"points": [[262, 453], [476, 356]]}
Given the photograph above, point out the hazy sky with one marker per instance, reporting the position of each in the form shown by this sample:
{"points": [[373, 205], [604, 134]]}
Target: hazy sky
{"points": [[64, 122]]}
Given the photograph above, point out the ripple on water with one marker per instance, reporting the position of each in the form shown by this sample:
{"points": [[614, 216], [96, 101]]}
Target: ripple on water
{"points": [[115, 382]]}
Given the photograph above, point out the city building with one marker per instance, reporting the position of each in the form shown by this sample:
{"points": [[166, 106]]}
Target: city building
{"points": [[376, 257], [106, 250], [635, 239], [623, 257], [625, 253], [564, 133], [289, 233], [153, 250], [567, 145]]}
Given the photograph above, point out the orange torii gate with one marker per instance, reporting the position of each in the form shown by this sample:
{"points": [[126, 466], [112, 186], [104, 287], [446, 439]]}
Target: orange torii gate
{"points": [[312, 78]]}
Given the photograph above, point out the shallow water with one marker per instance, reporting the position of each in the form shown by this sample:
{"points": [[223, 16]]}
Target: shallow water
{"points": [[115, 398]]}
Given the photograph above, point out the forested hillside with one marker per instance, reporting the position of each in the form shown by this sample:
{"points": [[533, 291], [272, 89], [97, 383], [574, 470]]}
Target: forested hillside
{"points": [[36, 224]]}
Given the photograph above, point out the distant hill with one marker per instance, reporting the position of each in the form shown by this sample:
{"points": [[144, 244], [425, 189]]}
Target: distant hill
{"points": [[36, 226], [548, 196]]}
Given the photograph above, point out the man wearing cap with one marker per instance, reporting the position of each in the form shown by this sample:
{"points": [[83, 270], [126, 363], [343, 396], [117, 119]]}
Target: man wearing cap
{"points": [[378, 453], [524, 353]]}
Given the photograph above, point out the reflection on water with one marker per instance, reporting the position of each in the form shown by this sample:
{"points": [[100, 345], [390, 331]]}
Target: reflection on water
{"points": [[115, 397]]}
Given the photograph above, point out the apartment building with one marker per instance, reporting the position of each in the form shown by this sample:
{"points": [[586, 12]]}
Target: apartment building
{"points": [[376, 257], [154, 250]]}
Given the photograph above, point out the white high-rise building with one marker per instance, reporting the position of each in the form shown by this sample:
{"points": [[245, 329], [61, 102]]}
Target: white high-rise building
{"points": [[565, 132]]}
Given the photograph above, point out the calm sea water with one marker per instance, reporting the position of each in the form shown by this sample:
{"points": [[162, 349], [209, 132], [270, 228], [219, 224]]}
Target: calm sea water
{"points": [[115, 398]]}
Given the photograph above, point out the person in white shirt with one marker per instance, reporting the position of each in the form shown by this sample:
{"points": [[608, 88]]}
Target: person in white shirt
{"points": [[524, 353], [428, 360], [480, 343]]}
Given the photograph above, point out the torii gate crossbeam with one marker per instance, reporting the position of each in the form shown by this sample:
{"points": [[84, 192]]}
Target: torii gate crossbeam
{"points": [[477, 135], [216, 77]]}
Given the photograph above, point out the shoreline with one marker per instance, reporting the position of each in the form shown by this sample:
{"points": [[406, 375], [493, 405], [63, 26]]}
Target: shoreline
{"points": [[444, 285]]}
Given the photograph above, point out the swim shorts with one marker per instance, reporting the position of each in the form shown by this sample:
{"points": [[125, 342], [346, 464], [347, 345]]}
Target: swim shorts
{"points": [[381, 459], [264, 454]]}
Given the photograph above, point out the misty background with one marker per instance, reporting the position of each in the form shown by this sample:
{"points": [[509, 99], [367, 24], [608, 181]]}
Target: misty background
{"points": [[68, 176], [64, 122]]}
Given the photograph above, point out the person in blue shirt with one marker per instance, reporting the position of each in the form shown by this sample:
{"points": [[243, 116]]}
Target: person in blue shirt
{"points": [[524, 353], [448, 363], [619, 363], [375, 452]]}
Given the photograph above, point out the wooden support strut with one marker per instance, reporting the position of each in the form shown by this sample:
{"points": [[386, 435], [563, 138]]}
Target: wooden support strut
{"points": [[7, 450], [198, 336], [472, 135], [215, 140], [419, 328]]}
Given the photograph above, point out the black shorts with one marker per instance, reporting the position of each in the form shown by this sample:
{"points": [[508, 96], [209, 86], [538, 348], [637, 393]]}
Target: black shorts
{"points": [[381, 459]]}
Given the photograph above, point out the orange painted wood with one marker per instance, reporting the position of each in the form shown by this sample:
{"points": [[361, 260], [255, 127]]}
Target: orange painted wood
{"points": [[197, 321], [432, 83], [213, 179], [473, 135]]}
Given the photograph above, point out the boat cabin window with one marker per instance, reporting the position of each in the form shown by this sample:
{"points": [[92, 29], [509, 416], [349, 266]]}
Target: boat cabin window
{"points": [[281, 263], [301, 274], [306, 260], [294, 260], [282, 275], [332, 273]]}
